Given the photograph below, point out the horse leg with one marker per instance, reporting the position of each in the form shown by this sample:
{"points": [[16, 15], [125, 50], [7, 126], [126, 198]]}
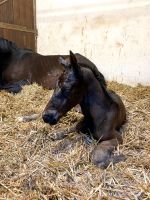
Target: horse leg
{"points": [[102, 155], [61, 134], [118, 135], [14, 87], [28, 118]]}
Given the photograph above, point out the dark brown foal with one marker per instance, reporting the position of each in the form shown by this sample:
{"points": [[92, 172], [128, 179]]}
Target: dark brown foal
{"points": [[103, 110]]}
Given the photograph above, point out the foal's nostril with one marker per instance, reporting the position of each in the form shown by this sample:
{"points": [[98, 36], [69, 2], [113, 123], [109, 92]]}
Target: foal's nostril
{"points": [[50, 118], [46, 118], [53, 121]]}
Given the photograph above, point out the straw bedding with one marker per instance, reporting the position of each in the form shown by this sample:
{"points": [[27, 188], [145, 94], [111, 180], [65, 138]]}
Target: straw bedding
{"points": [[33, 166]]}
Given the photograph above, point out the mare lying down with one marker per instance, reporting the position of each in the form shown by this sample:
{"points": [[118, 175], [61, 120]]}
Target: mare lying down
{"points": [[19, 66], [104, 112]]}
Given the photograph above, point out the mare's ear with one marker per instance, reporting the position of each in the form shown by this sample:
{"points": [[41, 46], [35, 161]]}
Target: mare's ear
{"points": [[74, 64], [62, 61]]}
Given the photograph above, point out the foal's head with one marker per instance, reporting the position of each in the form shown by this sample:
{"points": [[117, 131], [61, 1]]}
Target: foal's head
{"points": [[68, 92]]}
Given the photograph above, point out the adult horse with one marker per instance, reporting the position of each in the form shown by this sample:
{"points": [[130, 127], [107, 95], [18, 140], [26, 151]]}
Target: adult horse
{"points": [[20, 66], [104, 112]]}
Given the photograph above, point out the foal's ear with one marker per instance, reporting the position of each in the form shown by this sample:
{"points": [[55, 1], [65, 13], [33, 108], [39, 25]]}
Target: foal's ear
{"points": [[74, 64], [73, 59]]}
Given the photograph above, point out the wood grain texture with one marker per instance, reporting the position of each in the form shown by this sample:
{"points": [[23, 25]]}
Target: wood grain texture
{"points": [[17, 22]]}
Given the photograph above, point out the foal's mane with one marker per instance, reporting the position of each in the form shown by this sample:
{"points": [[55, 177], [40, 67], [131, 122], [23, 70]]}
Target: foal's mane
{"points": [[84, 62], [6, 45]]}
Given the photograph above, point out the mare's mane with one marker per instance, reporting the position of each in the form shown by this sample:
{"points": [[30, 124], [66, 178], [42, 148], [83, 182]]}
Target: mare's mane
{"points": [[7, 48], [6, 45]]}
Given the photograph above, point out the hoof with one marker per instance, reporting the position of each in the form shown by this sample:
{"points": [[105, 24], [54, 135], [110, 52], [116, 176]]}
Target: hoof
{"points": [[102, 156]]}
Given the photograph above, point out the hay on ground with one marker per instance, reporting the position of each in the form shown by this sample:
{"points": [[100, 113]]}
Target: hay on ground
{"points": [[32, 166]]}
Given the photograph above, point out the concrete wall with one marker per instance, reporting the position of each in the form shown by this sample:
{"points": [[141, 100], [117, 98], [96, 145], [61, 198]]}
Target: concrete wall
{"points": [[114, 34]]}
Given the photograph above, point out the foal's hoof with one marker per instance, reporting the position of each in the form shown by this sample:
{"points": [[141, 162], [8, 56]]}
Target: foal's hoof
{"points": [[102, 157]]}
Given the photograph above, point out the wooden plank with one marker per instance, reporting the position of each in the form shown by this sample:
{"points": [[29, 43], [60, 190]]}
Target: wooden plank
{"points": [[6, 12], [18, 22], [16, 27], [23, 39], [23, 13], [34, 22]]}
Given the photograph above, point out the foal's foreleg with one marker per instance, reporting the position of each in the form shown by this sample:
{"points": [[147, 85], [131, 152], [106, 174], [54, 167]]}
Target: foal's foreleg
{"points": [[62, 133], [28, 118]]}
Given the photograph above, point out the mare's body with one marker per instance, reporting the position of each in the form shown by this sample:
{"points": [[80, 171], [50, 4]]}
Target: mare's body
{"points": [[103, 110], [20, 66]]}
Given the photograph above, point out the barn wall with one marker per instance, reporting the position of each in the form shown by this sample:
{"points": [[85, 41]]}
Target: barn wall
{"points": [[114, 34], [17, 22]]}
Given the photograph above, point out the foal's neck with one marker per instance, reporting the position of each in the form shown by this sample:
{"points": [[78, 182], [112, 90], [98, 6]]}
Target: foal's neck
{"points": [[96, 99]]}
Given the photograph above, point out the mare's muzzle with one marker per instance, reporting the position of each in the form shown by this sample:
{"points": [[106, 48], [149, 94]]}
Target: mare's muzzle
{"points": [[50, 117]]}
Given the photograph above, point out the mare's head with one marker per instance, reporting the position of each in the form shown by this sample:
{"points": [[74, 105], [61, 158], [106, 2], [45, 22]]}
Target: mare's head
{"points": [[7, 46], [68, 92], [6, 49]]}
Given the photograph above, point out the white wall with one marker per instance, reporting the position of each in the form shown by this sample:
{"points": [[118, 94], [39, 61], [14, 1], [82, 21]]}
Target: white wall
{"points": [[114, 34]]}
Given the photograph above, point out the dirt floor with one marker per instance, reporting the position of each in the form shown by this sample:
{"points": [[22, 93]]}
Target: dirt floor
{"points": [[33, 166]]}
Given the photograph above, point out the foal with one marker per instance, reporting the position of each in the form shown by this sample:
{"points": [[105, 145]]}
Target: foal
{"points": [[103, 110]]}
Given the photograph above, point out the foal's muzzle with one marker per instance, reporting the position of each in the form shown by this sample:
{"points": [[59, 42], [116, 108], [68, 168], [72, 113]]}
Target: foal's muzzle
{"points": [[50, 117]]}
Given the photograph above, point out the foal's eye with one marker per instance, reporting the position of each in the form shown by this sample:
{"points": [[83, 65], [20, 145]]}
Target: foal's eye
{"points": [[65, 91], [62, 90]]}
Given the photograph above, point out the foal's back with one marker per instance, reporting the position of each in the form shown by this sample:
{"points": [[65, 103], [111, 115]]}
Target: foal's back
{"points": [[121, 111]]}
